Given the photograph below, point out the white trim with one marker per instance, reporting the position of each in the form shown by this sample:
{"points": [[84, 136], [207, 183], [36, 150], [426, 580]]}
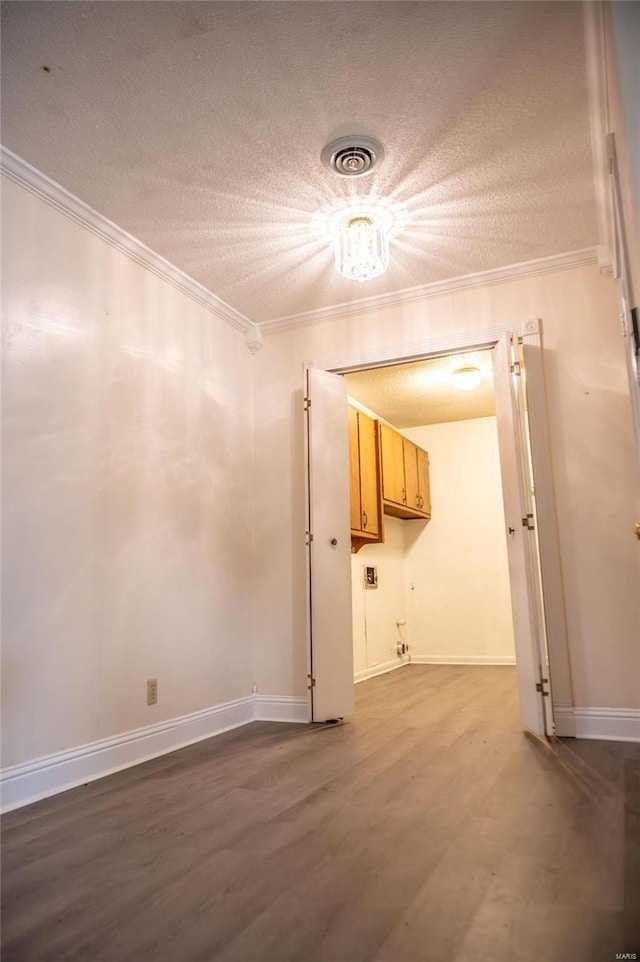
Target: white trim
{"points": [[33, 180], [21, 784], [624, 284], [253, 339], [451, 343], [281, 708], [563, 718], [51, 774], [463, 659], [546, 521], [594, 12], [380, 669], [57, 196], [543, 265], [608, 724]]}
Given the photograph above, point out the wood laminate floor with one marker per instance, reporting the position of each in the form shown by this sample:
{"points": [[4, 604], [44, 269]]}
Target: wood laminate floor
{"points": [[429, 829]]}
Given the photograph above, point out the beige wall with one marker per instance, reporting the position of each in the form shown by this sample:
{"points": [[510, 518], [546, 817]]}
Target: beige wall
{"points": [[127, 528], [593, 460], [456, 570], [146, 535]]}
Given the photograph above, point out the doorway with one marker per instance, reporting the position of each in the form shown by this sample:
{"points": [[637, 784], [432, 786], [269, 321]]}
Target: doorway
{"points": [[330, 652], [435, 591]]}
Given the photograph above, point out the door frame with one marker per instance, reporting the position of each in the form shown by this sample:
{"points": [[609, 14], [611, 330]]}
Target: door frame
{"points": [[528, 332], [624, 288]]}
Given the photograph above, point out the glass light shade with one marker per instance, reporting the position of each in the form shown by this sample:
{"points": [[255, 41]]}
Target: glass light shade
{"points": [[362, 249], [466, 378]]}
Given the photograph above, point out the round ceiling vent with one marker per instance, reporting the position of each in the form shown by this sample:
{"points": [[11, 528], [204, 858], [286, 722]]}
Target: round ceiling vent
{"points": [[352, 156]]}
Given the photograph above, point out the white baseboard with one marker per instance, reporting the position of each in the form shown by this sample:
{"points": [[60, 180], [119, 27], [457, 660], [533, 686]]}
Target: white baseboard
{"points": [[608, 724], [463, 659], [564, 719], [281, 708], [25, 783], [380, 669]]}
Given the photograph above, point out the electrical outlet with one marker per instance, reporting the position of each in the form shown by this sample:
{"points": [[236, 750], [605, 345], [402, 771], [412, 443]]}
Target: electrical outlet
{"points": [[152, 691]]}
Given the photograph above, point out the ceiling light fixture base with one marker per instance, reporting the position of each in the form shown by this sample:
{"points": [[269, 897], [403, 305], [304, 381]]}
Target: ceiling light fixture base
{"points": [[466, 378]]}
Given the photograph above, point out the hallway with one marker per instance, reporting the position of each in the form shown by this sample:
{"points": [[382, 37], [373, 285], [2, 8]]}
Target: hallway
{"points": [[428, 829]]}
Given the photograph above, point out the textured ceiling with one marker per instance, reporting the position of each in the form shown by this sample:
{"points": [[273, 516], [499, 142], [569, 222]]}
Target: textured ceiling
{"points": [[410, 395], [198, 128]]}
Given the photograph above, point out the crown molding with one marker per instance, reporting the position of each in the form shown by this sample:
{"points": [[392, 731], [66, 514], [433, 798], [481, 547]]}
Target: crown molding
{"points": [[595, 38], [543, 265], [33, 180]]}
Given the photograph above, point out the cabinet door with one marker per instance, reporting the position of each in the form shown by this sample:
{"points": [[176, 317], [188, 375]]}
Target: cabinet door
{"points": [[411, 475], [424, 487], [354, 470], [393, 488], [369, 483]]}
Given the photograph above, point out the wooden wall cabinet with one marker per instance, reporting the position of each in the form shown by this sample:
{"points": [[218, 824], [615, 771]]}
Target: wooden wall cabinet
{"points": [[364, 478], [405, 476]]}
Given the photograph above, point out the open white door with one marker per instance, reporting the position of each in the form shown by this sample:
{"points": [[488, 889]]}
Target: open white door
{"points": [[525, 586], [329, 548], [536, 592]]}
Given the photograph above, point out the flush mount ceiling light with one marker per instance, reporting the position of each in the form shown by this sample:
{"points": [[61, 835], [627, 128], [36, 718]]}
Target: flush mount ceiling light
{"points": [[359, 231], [361, 228], [362, 248], [466, 378]]}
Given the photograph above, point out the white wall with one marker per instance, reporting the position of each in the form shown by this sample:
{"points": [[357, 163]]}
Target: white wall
{"points": [[127, 520], [448, 578], [458, 597], [376, 611], [593, 461]]}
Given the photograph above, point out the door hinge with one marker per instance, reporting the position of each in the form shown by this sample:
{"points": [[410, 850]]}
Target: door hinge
{"points": [[540, 687], [307, 403], [528, 523], [312, 682], [309, 537], [515, 368], [624, 327]]}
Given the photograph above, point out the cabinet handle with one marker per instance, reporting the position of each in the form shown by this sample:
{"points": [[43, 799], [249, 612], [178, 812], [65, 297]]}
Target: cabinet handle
{"points": [[364, 519], [418, 500], [404, 495]]}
